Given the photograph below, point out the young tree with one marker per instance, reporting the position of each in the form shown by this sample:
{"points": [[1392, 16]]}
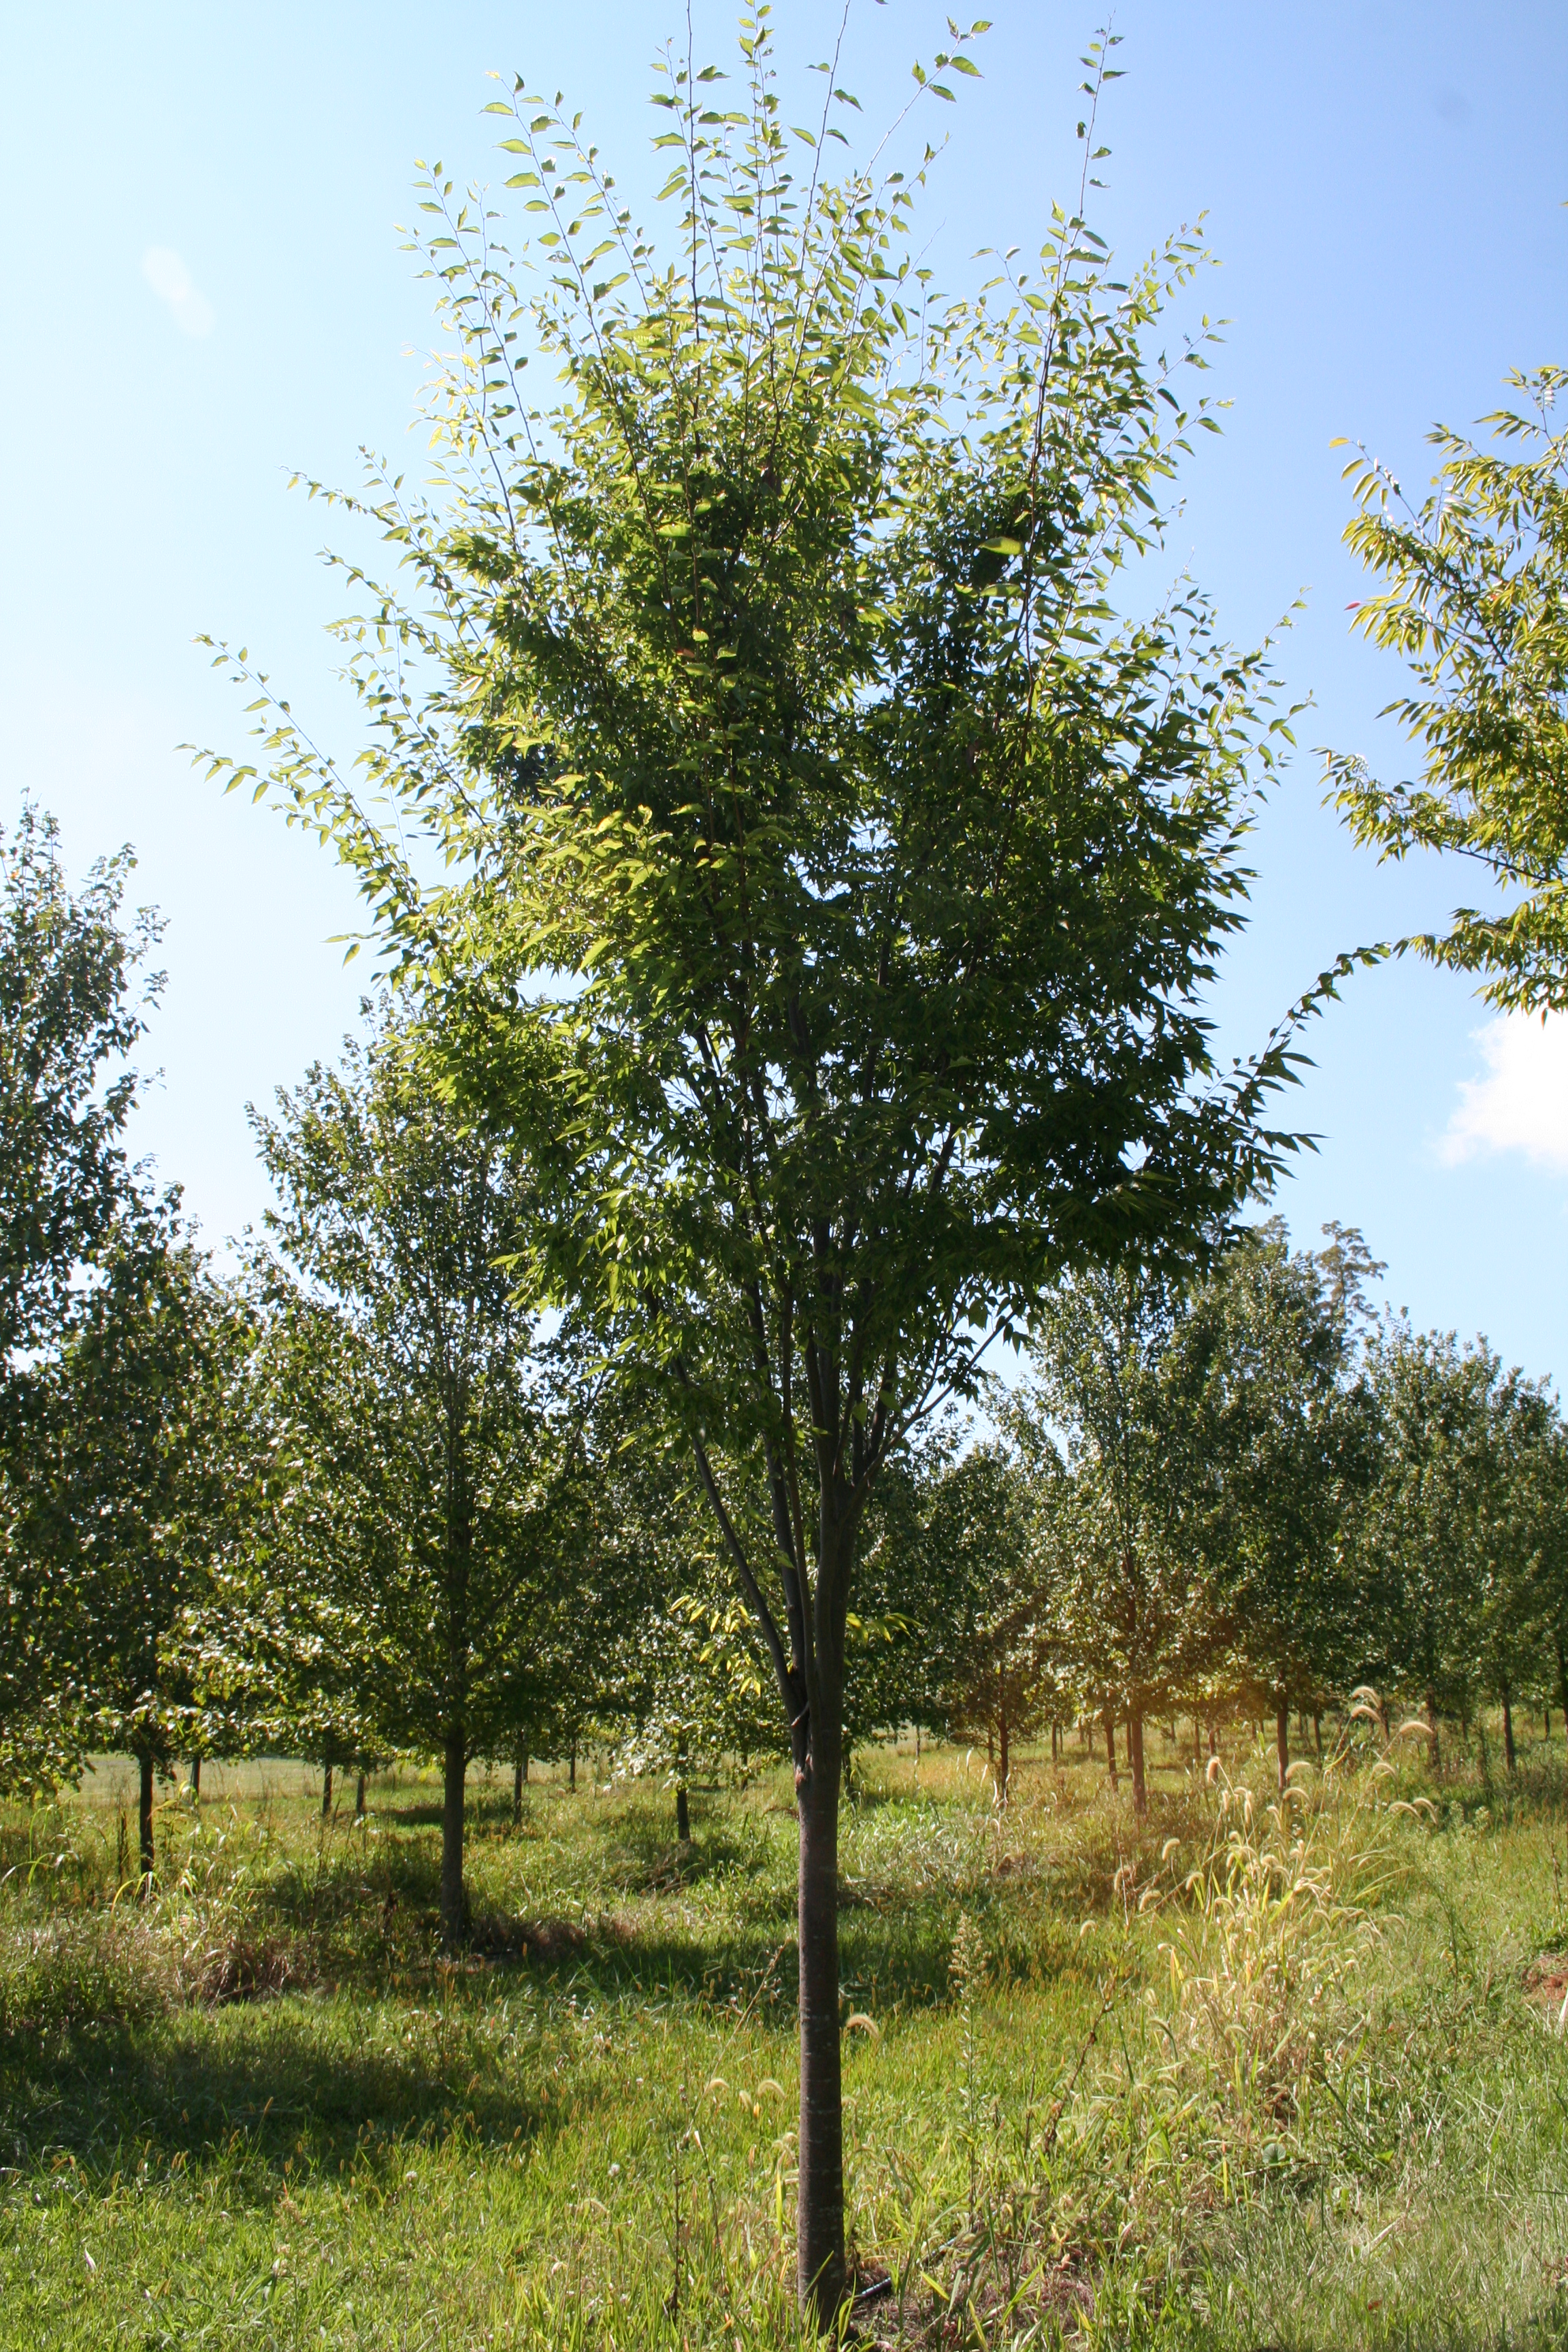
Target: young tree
{"points": [[423, 1517], [1283, 1447], [835, 878], [1423, 1532], [135, 1459], [980, 1523], [68, 1014], [1134, 1608], [1478, 602]]}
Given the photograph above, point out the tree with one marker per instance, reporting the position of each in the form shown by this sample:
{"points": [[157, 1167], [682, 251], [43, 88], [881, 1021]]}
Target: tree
{"points": [[1284, 1446], [1476, 602], [1000, 1677], [67, 1015], [422, 1521], [833, 876], [1133, 1605], [1433, 1516], [128, 1506]]}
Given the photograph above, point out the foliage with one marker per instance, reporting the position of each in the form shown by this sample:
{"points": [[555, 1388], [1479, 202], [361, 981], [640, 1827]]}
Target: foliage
{"points": [[837, 872], [421, 1526], [133, 1444], [1476, 602], [68, 1016]]}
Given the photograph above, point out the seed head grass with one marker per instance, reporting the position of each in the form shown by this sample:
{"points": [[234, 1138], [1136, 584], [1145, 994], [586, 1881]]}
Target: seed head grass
{"points": [[1253, 2070]]}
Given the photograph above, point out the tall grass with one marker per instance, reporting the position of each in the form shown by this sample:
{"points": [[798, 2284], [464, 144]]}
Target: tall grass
{"points": [[1256, 2070]]}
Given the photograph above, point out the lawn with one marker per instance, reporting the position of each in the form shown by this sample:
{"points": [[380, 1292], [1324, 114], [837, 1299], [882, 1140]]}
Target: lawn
{"points": [[1223, 2078]]}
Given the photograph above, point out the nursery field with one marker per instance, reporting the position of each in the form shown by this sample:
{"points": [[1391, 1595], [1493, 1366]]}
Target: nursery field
{"points": [[1232, 2076]]}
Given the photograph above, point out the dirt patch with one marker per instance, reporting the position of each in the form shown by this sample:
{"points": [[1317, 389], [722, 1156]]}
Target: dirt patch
{"points": [[1546, 1982]]}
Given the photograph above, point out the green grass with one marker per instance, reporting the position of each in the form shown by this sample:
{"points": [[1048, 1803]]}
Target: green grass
{"points": [[259, 2111]]}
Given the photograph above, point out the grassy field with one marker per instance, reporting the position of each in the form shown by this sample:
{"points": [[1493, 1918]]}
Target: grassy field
{"points": [[1228, 2078]]}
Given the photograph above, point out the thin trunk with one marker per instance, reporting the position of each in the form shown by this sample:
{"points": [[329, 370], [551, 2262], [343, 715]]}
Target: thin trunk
{"points": [[144, 1818], [326, 1791], [1561, 1682], [1111, 1744], [1003, 1769], [1510, 1754], [453, 1922], [820, 2272], [517, 1779], [682, 1807], [848, 1770], [572, 1776], [1135, 1761], [358, 1799], [1055, 1742], [1197, 1743], [1318, 1735], [1282, 1740], [195, 1780], [1432, 1733], [1214, 1738]]}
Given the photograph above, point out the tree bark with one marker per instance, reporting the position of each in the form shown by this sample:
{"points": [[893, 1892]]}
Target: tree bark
{"points": [[358, 1799], [326, 1791], [1135, 1761], [1318, 1735], [1004, 1767], [1111, 1744], [1510, 1753], [1055, 1742], [519, 1774], [195, 1780], [1432, 1733], [682, 1804], [819, 2253], [1282, 1740], [1562, 1681], [572, 1776], [145, 1817], [453, 1920]]}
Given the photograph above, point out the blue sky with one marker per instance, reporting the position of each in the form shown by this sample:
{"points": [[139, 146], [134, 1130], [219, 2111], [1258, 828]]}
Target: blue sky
{"points": [[205, 288]]}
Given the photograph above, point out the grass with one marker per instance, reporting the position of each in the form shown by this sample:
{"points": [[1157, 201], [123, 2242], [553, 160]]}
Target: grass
{"points": [[1240, 2075]]}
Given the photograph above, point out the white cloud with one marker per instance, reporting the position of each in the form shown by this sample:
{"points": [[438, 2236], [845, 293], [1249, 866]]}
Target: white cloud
{"points": [[1521, 1104], [170, 280]]}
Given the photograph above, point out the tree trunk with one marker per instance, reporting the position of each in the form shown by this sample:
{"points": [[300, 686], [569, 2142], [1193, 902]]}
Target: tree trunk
{"points": [[820, 2272], [1003, 1764], [1111, 1744], [358, 1799], [1197, 1743], [1318, 1735], [1214, 1738], [572, 1776], [144, 1818], [1510, 1754], [682, 1805], [452, 1908], [1135, 1761], [849, 1770], [1432, 1733], [326, 1791], [519, 1774], [1561, 1682], [1055, 1742], [1282, 1740], [195, 1780]]}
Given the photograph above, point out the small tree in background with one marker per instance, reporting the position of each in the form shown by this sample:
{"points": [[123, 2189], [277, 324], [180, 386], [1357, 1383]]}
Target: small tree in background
{"points": [[1136, 1621], [423, 1517], [135, 1440], [1283, 1447], [69, 1012]]}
